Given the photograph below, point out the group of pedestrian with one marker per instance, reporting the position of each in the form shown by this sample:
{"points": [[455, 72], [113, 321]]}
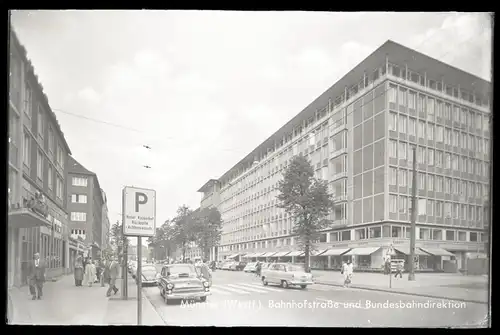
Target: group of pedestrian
{"points": [[105, 271]]}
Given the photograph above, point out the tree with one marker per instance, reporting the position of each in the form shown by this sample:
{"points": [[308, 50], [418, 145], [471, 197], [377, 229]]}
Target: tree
{"points": [[118, 240], [208, 229], [184, 229], [307, 201], [164, 240]]}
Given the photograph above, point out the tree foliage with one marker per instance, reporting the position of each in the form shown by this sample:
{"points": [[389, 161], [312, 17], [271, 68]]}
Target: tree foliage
{"points": [[208, 229], [164, 240], [307, 201], [184, 229]]}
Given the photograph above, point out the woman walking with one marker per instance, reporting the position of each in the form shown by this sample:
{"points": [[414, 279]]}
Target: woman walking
{"points": [[90, 272], [78, 271]]}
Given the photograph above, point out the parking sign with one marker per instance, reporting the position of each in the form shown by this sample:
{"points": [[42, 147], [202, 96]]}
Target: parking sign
{"points": [[139, 211]]}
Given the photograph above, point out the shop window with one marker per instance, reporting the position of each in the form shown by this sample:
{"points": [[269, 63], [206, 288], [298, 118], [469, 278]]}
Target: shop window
{"points": [[345, 235], [397, 231], [360, 234], [473, 237], [437, 234], [407, 232], [450, 235], [375, 232], [334, 237], [424, 234]]}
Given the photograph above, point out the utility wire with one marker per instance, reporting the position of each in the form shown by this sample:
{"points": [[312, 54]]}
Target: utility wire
{"points": [[237, 150]]}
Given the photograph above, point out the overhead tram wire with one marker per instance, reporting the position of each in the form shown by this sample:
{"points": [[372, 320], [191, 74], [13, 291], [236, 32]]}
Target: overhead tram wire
{"points": [[146, 146]]}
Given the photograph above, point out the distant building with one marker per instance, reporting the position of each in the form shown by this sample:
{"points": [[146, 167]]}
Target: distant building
{"points": [[85, 206], [106, 226], [37, 162]]}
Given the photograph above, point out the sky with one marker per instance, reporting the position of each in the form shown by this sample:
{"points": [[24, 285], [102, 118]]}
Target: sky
{"points": [[204, 88]]}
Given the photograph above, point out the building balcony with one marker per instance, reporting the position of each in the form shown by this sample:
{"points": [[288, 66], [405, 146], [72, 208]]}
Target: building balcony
{"points": [[339, 175], [337, 152], [32, 212], [13, 154]]}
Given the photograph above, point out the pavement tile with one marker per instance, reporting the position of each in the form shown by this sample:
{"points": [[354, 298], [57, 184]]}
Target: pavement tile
{"points": [[65, 304]]}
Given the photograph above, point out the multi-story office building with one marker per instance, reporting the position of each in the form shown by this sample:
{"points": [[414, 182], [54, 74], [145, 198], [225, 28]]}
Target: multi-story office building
{"points": [[85, 205], [359, 136], [38, 153], [106, 227]]}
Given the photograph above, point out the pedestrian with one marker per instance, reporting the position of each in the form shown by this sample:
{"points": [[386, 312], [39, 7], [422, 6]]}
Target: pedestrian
{"points": [[205, 273], [348, 271], [36, 276], [96, 272], [89, 276], [78, 271], [399, 270], [258, 268], [113, 274], [105, 272]]}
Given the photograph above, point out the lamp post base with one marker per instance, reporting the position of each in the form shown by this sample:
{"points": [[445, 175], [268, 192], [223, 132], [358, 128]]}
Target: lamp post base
{"points": [[411, 277]]}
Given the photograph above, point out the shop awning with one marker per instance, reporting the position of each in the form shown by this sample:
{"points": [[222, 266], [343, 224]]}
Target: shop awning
{"points": [[362, 251], [249, 256], [437, 252], [233, 256], [406, 251], [268, 254], [281, 253], [335, 252], [318, 252], [26, 218], [259, 254], [296, 253]]}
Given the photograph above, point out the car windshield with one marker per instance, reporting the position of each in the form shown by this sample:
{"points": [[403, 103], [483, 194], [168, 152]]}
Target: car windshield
{"points": [[181, 269], [298, 268]]}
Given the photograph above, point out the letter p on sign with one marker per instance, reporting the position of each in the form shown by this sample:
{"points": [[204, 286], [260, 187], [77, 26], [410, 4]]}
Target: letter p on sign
{"points": [[139, 212], [140, 199]]}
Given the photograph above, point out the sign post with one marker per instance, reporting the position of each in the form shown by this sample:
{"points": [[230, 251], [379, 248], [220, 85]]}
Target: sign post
{"points": [[389, 254], [139, 212]]}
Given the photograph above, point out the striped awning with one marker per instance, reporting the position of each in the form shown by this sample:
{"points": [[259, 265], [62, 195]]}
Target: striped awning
{"points": [[317, 252], [406, 251], [437, 252], [296, 253], [362, 251], [268, 254], [281, 253], [335, 252], [233, 256]]}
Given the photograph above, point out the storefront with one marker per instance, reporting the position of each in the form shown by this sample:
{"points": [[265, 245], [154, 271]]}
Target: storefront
{"points": [[422, 263], [334, 257], [317, 260], [282, 256], [437, 258], [366, 259], [297, 256]]}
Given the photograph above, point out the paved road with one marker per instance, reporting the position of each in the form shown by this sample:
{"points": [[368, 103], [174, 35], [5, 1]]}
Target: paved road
{"points": [[240, 299]]}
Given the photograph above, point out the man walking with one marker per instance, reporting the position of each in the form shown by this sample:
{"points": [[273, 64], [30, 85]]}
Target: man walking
{"points": [[114, 270], [36, 276]]}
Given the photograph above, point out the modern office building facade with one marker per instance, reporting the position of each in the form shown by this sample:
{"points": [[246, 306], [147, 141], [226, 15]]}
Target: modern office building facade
{"points": [[37, 219], [359, 136], [85, 206]]}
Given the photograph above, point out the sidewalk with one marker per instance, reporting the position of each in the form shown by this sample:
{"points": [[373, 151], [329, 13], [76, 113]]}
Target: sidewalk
{"points": [[444, 285], [65, 304]]}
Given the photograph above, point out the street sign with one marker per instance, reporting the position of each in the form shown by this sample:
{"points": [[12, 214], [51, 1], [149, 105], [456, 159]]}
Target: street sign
{"points": [[139, 212]]}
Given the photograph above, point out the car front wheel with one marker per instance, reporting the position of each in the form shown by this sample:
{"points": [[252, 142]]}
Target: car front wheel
{"points": [[284, 284], [264, 281], [303, 286], [203, 299]]}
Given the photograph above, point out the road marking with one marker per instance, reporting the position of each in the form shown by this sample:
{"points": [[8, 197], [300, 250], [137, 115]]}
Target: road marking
{"points": [[261, 287], [218, 291], [232, 290], [249, 288]]}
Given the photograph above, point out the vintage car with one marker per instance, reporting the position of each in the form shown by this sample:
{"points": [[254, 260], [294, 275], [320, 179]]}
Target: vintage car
{"points": [[250, 267], [149, 275], [286, 274], [182, 282], [227, 265]]}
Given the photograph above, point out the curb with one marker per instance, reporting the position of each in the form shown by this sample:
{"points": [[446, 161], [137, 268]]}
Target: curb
{"points": [[405, 293]]}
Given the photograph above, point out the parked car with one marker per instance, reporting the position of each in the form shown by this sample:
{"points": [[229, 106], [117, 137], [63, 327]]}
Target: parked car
{"points": [[227, 265], [240, 266], [149, 277], [182, 282], [251, 267], [286, 274], [233, 266]]}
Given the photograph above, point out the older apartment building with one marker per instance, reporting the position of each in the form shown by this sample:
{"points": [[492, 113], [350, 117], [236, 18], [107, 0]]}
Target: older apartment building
{"points": [[106, 226], [37, 219], [85, 206], [359, 136]]}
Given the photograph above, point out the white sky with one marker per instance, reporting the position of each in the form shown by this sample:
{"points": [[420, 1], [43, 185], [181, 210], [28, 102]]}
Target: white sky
{"points": [[204, 88]]}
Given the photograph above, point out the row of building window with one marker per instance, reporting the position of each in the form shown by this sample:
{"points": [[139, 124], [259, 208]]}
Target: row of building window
{"points": [[79, 198], [366, 233], [437, 208], [439, 158], [77, 231], [438, 108], [442, 134], [79, 216], [79, 181]]}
